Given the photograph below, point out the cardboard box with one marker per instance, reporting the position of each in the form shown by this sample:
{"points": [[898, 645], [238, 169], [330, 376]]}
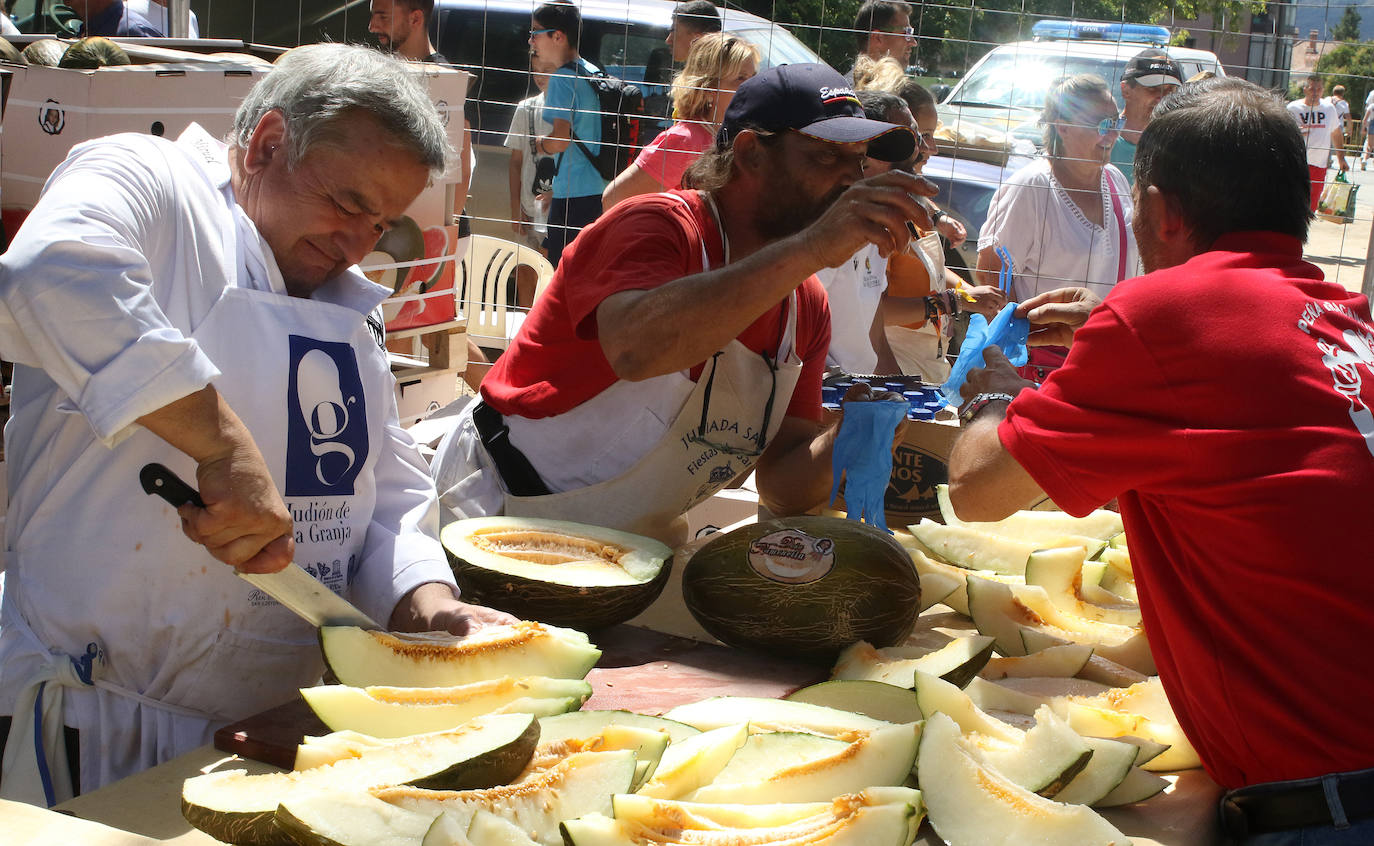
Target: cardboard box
{"points": [[419, 396], [919, 463]]}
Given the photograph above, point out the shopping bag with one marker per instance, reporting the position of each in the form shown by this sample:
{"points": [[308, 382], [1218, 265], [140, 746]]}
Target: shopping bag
{"points": [[1337, 202]]}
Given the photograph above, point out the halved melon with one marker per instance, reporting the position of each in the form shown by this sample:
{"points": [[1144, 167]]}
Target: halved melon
{"points": [[854, 820], [403, 711], [956, 662], [361, 658], [694, 762], [870, 698], [567, 574], [796, 767], [1040, 526], [580, 784], [238, 808], [971, 804], [1063, 661], [764, 714], [980, 550], [1060, 573]]}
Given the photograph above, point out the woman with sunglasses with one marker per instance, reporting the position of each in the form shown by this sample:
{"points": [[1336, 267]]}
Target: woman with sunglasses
{"points": [[1065, 218], [716, 65]]}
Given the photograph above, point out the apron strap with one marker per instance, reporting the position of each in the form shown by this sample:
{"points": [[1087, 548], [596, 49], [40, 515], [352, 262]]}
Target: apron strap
{"points": [[515, 470], [35, 769]]}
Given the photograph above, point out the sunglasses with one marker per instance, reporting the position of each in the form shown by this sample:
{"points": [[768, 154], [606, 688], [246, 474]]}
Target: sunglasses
{"points": [[1107, 126], [535, 32], [907, 31]]}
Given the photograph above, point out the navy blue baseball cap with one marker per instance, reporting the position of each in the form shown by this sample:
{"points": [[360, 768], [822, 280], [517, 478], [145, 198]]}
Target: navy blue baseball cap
{"points": [[817, 102]]}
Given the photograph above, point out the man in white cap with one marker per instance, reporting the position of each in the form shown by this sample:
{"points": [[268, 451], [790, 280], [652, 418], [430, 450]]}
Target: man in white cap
{"points": [[683, 338], [1150, 76]]}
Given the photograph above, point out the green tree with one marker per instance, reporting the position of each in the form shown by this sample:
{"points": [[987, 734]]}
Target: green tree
{"points": [[1351, 65], [1349, 27]]}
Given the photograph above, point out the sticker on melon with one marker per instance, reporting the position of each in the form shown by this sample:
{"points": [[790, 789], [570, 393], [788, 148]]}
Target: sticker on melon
{"points": [[362, 658], [239, 808], [1038, 526], [803, 587], [564, 573], [971, 804], [402, 711]]}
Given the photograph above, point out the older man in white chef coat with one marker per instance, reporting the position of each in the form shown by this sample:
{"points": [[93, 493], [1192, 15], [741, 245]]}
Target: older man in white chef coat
{"points": [[163, 301]]}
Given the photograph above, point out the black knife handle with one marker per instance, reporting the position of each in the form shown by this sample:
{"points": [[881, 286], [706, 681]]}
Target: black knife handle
{"points": [[157, 479]]}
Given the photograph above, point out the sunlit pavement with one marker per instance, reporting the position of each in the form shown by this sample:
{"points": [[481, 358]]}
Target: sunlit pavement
{"points": [[1340, 249]]}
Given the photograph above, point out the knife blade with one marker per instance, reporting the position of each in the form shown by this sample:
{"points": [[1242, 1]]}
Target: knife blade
{"points": [[293, 587]]}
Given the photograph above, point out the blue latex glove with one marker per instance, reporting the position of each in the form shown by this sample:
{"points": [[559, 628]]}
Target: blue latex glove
{"points": [[863, 454], [1006, 331]]}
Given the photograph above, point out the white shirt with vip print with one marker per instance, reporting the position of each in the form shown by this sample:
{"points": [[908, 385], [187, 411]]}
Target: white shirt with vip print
{"points": [[1316, 123]]}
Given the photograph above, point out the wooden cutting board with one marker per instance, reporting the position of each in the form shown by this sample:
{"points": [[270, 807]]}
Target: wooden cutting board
{"points": [[640, 670]]}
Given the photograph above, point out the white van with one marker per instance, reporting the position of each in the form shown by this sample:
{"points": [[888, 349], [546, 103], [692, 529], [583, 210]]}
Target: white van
{"points": [[1005, 90]]}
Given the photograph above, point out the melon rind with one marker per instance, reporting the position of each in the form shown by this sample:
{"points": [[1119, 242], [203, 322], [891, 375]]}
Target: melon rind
{"points": [[970, 804], [871, 591], [578, 594], [362, 658]]}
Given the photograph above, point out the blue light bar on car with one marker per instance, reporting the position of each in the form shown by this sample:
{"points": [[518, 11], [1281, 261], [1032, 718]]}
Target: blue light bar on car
{"points": [[1098, 31]]}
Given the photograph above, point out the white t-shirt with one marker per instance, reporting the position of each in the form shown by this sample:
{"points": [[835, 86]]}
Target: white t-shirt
{"points": [[1052, 244], [1316, 122], [854, 288], [527, 111]]}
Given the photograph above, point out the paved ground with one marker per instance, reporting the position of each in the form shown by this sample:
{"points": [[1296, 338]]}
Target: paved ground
{"points": [[1341, 250]]}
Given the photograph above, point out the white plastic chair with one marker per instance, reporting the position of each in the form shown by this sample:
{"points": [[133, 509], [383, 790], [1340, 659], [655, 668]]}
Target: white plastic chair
{"points": [[487, 282]]}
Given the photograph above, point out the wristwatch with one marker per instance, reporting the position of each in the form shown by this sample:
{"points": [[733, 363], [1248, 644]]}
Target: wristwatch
{"points": [[981, 401], [937, 216]]}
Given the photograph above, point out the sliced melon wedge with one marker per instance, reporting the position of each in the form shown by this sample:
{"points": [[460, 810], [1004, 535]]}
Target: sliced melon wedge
{"points": [[1141, 710], [403, 711], [869, 698], [797, 767], [956, 662], [647, 744], [1110, 765], [937, 588], [580, 784], [1038, 525], [238, 808], [1138, 786], [1060, 573], [971, 804], [361, 658], [586, 723], [1049, 756], [487, 829], [1059, 661], [334, 818], [694, 762], [980, 550], [771, 715], [645, 810], [335, 746]]}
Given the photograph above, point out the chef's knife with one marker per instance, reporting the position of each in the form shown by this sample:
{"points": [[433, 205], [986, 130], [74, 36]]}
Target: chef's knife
{"points": [[293, 587]]}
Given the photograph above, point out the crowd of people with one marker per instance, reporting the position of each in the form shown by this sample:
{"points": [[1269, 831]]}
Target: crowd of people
{"points": [[780, 225]]}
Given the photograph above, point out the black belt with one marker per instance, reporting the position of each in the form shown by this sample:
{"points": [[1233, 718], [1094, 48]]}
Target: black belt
{"points": [[1286, 805], [518, 475]]}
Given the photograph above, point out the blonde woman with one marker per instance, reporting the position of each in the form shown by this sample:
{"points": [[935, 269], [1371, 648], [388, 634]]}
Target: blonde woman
{"points": [[716, 65]]}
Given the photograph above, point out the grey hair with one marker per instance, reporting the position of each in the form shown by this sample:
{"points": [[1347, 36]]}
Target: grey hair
{"points": [[317, 87]]}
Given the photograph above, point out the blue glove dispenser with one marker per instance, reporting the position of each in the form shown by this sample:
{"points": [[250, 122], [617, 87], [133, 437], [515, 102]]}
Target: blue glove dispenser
{"points": [[1006, 331], [863, 454]]}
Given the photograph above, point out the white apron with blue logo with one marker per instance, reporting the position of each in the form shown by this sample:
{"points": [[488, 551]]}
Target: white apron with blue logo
{"points": [[181, 644]]}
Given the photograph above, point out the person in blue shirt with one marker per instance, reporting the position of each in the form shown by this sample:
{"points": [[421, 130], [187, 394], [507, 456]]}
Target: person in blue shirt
{"points": [[571, 105], [112, 18]]}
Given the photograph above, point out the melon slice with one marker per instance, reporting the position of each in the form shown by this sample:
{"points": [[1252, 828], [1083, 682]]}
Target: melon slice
{"points": [[580, 784], [403, 711], [638, 808], [349, 818], [1040, 526], [971, 804], [238, 808], [956, 662], [335, 746], [647, 744], [1138, 786], [1060, 573], [487, 829], [869, 698], [694, 762], [568, 574], [1049, 756], [575, 724], [771, 715], [1059, 661], [940, 696], [1110, 765], [852, 820], [979, 550], [937, 588], [797, 767], [361, 658], [1141, 710]]}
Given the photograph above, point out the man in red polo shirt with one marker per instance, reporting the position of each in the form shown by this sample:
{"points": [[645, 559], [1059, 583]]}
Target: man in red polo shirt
{"points": [[682, 340], [1224, 399]]}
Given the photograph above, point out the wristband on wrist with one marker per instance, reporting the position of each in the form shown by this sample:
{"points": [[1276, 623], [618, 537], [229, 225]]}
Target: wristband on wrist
{"points": [[980, 402], [937, 216]]}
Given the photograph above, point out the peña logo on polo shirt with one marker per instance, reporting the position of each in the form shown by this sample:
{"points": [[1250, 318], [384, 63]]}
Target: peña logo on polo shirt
{"points": [[326, 434]]}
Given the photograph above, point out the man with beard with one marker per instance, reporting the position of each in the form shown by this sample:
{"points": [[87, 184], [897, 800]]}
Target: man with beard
{"points": [[402, 27], [683, 338], [1224, 400]]}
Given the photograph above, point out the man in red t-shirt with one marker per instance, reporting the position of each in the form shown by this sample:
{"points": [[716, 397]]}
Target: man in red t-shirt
{"points": [[1225, 400], [682, 339]]}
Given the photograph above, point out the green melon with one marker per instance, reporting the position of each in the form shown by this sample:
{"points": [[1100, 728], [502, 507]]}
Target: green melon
{"points": [[555, 571], [803, 587]]}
